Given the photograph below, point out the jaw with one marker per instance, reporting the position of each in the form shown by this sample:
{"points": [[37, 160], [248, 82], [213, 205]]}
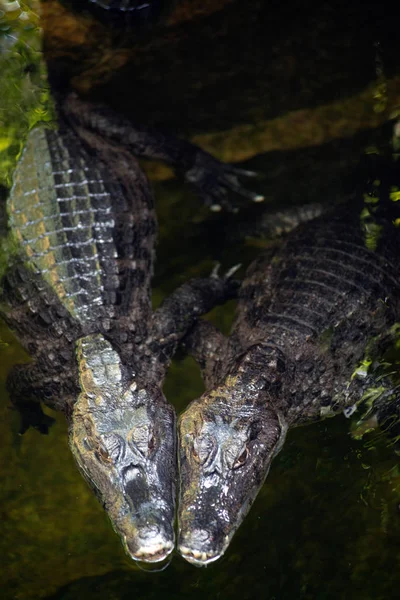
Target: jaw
{"points": [[123, 437], [198, 558], [214, 496], [154, 554], [152, 540], [138, 495], [199, 547], [208, 522], [144, 523]]}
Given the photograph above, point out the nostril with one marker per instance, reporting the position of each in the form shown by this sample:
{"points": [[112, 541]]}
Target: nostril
{"points": [[149, 531], [131, 473], [215, 468], [200, 536], [197, 546]]}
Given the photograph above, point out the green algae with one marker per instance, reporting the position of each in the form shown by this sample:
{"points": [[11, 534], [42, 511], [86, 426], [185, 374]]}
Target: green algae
{"points": [[25, 97]]}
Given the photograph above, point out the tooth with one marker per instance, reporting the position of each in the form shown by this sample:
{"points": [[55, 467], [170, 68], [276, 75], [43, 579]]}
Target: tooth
{"points": [[204, 556], [196, 553]]}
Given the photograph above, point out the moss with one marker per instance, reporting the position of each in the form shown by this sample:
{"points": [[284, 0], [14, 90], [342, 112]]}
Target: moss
{"points": [[25, 98]]}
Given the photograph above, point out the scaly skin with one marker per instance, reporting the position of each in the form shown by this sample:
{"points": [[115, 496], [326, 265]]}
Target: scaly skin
{"points": [[77, 293], [308, 314]]}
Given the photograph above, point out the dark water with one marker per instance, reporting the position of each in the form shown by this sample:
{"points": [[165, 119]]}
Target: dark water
{"points": [[326, 525]]}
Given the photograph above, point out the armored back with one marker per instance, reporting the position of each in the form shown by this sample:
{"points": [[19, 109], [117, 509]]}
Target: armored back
{"points": [[79, 227]]}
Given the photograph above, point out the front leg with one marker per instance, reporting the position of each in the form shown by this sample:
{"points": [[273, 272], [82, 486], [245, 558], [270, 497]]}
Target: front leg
{"points": [[180, 311], [210, 178], [211, 349]]}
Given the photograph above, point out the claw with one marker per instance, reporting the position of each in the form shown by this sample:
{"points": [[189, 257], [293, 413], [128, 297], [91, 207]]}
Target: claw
{"points": [[215, 271], [232, 183], [239, 189], [212, 180], [241, 172], [228, 274], [232, 271]]}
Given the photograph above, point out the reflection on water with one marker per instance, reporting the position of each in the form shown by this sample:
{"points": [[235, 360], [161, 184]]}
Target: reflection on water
{"points": [[327, 523]]}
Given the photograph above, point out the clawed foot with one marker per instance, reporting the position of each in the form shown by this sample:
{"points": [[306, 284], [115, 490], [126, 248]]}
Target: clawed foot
{"points": [[231, 285], [227, 275], [212, 180], [33, 416]]}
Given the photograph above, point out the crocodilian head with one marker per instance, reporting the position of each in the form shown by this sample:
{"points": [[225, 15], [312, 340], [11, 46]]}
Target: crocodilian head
{"points": [[226, 448], [123, 438]]}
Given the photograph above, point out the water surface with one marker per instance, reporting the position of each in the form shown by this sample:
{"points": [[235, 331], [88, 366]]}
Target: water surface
{"points": [[326, 525]]}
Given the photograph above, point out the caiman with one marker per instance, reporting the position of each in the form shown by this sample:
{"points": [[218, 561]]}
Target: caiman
{"points": [[76, 291], [315, 316]]}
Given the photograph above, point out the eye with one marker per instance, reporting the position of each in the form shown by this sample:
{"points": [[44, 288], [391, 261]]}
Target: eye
{"points": [[102, 455], [87, 444], [114, 446], [107, 449], [143, 439], [241, 459], [202, 448]]}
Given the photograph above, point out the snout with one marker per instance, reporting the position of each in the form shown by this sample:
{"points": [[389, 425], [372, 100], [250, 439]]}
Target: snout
{"points": [[151, 538], [200, 547], [149, 525], [204, 527]]}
